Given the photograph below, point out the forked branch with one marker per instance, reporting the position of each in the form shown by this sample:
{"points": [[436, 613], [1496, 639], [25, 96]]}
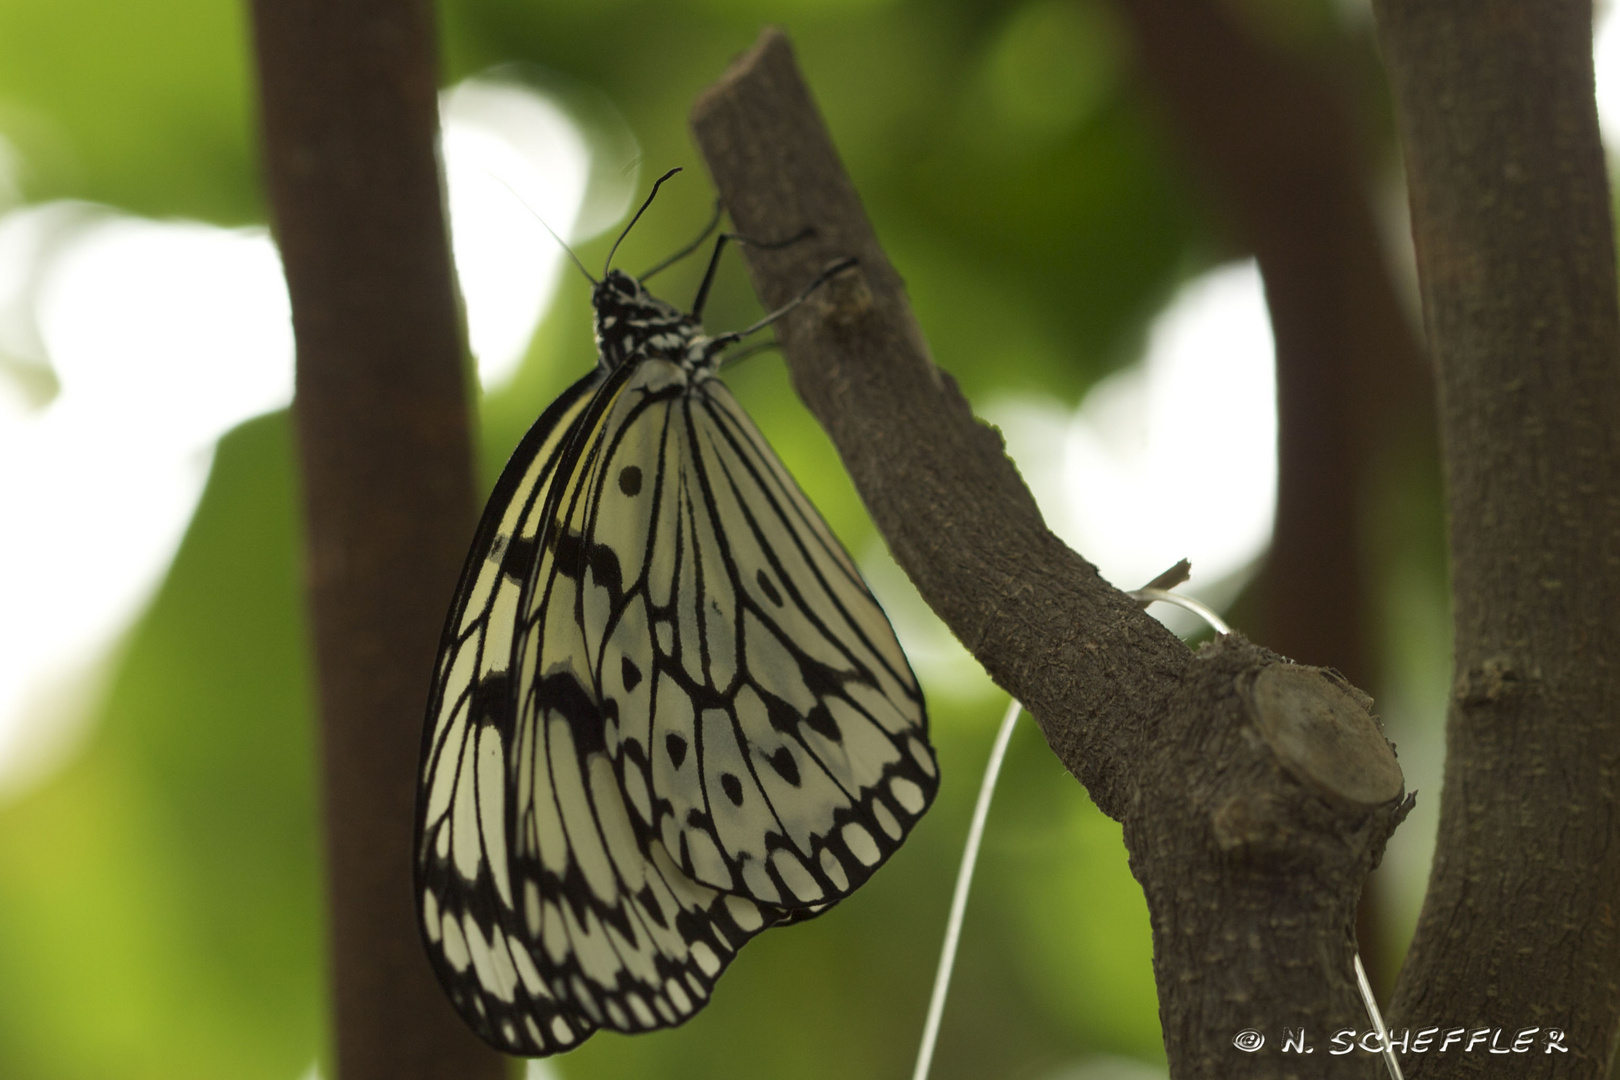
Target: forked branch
{"points": [[1256, 794]]}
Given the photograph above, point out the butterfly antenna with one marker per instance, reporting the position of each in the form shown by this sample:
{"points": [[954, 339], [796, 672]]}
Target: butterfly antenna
{"points": [[689, 248], [560, 241], [651, 195]]}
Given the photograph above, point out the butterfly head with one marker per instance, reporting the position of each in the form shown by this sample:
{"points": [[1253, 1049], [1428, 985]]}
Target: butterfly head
{"points": [[632, 323]]}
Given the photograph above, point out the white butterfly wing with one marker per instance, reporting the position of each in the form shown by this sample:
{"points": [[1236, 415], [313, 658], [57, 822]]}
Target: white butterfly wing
{"points": [[667, 715], [624, 938], [464, 882], [828, 718]]}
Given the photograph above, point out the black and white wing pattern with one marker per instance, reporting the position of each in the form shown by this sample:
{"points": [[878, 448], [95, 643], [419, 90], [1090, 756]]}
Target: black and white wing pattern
{"points": [[667, 712]]}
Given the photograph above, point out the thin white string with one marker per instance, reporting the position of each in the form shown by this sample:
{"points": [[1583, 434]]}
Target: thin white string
{"points": [[1377, 1018], [964, 878], [1149, 595], [970, 857]]}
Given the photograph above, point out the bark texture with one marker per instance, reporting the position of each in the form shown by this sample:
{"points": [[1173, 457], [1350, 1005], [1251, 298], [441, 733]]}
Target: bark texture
{"points": [[1511, 214], [1251, 861], [349, 99]]}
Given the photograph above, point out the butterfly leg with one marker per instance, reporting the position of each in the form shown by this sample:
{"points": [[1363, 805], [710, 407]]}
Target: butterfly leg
{"points": [[721, 341], [720, 245], [732, 359], [697, 241]]}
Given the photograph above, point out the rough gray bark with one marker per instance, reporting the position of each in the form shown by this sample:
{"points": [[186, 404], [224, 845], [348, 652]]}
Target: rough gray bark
{"points": [[349, 100], [1511, 214], [1251, 846]]}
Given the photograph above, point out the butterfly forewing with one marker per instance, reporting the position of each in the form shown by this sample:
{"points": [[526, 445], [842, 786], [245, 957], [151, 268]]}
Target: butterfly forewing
{"points": [[464, 861], [667, 712]]}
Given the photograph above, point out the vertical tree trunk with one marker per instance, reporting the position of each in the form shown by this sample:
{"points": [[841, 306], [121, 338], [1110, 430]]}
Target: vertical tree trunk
{"points": [[349, 98], [1510, 211]]}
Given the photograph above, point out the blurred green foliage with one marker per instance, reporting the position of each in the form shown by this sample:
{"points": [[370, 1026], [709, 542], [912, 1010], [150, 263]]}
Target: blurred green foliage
{"points": [[160, 910]]}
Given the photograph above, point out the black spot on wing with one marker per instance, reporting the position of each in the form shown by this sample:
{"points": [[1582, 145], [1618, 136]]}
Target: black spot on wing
{"points": [[630, 480], [782, 761], [784, 718], [575, 555], [492, 698], [732, 787], [563, 693], [820, 720], [630, 673], [692, 926], [655, 912], [820, 679], [518, 559], [787, 720], [570, 552], [676, 745], [604, 562]]}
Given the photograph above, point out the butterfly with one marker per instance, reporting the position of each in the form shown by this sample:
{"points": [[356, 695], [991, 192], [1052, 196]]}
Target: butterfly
{"points": [[666, 714]]}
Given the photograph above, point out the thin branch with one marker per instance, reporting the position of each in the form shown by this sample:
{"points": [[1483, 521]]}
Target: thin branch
{"points": [[1511, 214], [349, 101], [1033, 612]]}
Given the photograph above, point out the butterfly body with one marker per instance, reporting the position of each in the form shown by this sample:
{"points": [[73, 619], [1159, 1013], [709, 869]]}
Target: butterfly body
{"points": [[633, 325], [667, 713]]}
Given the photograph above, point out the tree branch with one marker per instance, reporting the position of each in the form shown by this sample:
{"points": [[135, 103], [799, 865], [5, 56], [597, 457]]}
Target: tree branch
{"points": [[1511, 214], [969, 534], [349, 98], [1251, 844]]}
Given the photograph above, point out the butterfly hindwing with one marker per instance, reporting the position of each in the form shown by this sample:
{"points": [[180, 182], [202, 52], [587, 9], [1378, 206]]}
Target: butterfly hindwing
{"points": [[827, 719], [763, 732]]}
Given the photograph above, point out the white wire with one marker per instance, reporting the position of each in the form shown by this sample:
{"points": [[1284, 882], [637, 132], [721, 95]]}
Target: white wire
{"points": [[964, 878], [1202, 611], [1377, 1018]]}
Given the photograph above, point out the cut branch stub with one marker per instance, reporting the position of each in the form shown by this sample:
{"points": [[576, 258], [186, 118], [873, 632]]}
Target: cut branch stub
{"points": [[1322, 733], [1251, 834]]}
